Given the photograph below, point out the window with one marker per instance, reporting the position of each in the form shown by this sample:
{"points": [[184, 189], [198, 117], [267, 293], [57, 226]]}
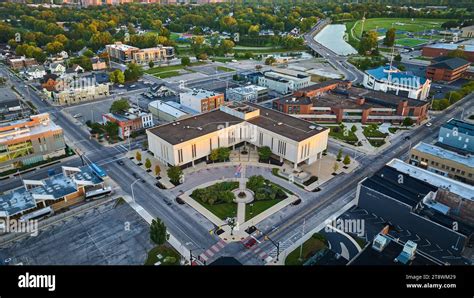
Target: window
{"points": [[193, 150], [260, 139], [180, 155], [210, 144]]}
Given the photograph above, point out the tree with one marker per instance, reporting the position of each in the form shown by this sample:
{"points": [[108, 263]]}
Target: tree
{"points": [[226, 46], [117, 76], [214, 156], [157, 170], [347, 160], [147, 163], [111, 128], [368, 42], [390, 37], [335, 167], [398, 58], [138, 156], [119, 106], [202, 56], [174, 174], [185, 61], [270, 60], [407, 122], [264, 153], [158, 232], [133, 72], [354, 128], [457, 53], [339, 155], [151, 64], [254, 30]]}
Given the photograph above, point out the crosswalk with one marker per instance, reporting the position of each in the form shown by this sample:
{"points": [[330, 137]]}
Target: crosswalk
{"points": [[209, 253]]}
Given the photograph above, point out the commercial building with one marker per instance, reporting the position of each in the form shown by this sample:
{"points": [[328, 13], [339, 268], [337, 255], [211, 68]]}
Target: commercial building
{"points": [[443, 49], [337, 101], [168, 111], [444, 162], [467, 32], [37, 198], [20, 62], [283, 83], [447, 69], [124, 53], [11, 107], [392, 80], [131, 121], [201, 100], [28, 141], [424, 203], [250, 93], [191, 140], [72, 90], [457, 135]]}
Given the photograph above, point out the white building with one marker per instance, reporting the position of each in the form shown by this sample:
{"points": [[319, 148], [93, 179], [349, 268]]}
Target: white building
{"points": [[191, 140], [35, 72], [283, 83], [57, 68], [247, 93], [395, 81], [201, 100], [169, 111]]}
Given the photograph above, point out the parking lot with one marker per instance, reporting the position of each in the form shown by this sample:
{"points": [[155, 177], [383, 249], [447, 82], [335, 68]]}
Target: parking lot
{"points": [[101, 236]]}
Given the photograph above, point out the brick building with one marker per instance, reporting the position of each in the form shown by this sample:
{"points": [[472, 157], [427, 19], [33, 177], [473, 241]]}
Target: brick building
{"points": [[335, 101], [443, 49], [447, 69]]}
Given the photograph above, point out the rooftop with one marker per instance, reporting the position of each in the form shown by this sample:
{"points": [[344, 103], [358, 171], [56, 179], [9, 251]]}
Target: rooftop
{"points": [[370, 256], [172, 108], [193, 127], [121, 46], [451, 46], [284, 76], [461, 189], [203, 124], [445, 154], [52, 188], [27, 127], [247, 89], [200, 93], [450, 63], [396, 77], [7, 95], [410, 192], [463, 127]]}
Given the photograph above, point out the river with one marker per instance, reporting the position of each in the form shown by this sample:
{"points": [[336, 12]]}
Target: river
{"points": [[332, 37]]}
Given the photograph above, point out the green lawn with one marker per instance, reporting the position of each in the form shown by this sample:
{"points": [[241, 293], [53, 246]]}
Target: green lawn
{"points": [[161, 69], [410, 42], [403, 24], [221, 210], [346, 136], [372, 132], [258, 207], [224, 69], [169, 256], [167, 74], [310, 247]]}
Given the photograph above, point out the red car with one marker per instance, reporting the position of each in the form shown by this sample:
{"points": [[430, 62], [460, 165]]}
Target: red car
{"points": [[249, 243]]}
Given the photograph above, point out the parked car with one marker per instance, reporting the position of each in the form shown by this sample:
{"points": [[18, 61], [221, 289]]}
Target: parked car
{"points": [[428, 124], [120, 162]]}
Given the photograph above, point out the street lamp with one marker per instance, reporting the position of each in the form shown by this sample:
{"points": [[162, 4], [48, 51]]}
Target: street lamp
{"points": [[131, 186]]}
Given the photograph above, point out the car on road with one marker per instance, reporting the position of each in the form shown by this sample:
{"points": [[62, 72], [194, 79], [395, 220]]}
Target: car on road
{"points": [[135, 175], [407, 138], [133, 86], [121, 86], [77, 116], [120, 162], [429, 124], [249, 243]]}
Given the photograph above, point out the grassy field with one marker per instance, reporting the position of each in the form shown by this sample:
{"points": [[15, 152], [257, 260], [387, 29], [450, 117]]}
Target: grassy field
{"points": [[346, 136], [225, 69], [310, 247], [169, 256], [258, 207], [402, 24], [167, 74], [410, 42]]}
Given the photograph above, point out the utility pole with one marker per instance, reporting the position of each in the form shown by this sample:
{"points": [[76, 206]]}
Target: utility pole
{"points": [[302, 234]]}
